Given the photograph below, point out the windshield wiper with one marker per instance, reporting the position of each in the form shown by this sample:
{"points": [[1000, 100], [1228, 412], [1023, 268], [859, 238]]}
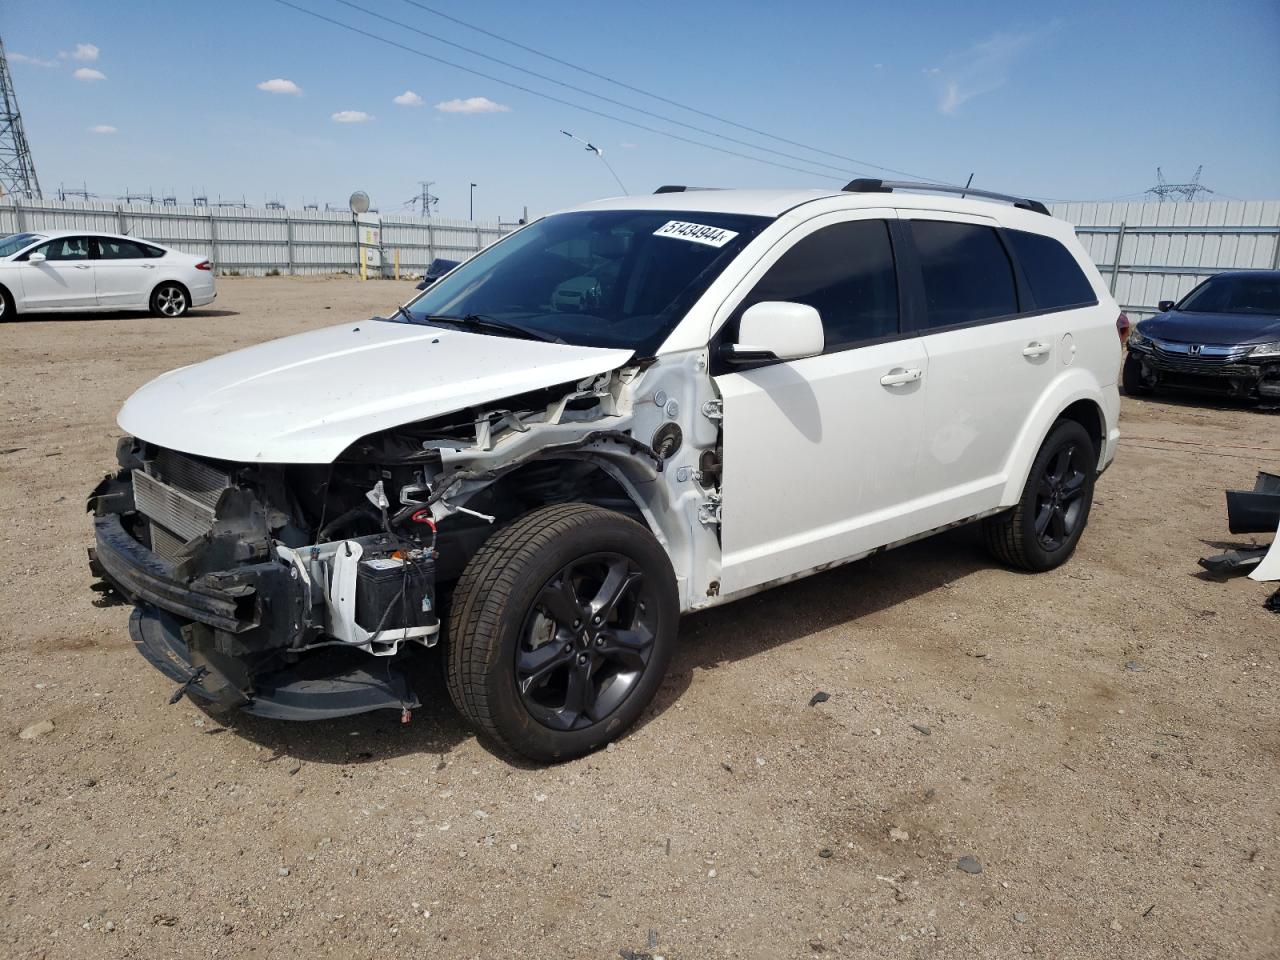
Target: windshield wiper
{"points": [[476, 321]]}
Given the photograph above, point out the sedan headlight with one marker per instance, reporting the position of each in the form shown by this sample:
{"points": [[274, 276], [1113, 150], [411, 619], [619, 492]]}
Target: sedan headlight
{"points": [[1136, 339], [1266, 350]]}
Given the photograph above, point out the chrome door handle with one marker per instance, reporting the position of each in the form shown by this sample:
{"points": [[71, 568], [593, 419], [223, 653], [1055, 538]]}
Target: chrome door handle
{"points": [[1036, 349], [899, 376], [82, 266]]}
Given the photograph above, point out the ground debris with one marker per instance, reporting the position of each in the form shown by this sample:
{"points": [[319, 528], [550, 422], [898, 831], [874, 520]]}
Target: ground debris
{"points": [[969, 864], [820, 697]]}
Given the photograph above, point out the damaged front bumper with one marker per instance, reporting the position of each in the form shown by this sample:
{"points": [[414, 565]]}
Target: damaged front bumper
{"points": [[1214, 370], [273, 631]]}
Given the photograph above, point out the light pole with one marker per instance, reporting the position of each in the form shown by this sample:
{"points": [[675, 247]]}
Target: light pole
{"points": [[592, 148], [473, 203]]}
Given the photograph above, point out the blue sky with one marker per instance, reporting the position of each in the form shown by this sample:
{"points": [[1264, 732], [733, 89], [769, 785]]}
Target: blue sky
{"points": [[1058, 101]]}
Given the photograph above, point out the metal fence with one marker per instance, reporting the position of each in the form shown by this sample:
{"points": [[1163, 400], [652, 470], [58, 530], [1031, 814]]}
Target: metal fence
{"points": [[1149, 252], [252, 241]]}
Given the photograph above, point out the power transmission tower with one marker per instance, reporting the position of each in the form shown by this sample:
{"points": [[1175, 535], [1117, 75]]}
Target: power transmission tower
{"points": [[1164, 190], [17, 169], [427, 199]]}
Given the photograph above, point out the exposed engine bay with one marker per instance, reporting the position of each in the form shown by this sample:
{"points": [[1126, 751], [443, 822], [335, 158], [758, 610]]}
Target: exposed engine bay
{"points": [[288, 590]]}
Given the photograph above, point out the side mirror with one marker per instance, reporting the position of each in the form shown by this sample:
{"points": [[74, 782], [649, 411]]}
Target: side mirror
{"points": [[1164, 306], [36, 257], [776, 330]]}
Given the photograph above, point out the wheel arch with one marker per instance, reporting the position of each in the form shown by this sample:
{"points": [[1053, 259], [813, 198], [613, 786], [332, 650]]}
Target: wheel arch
{"points": [[1077, 396], [166, 280]]}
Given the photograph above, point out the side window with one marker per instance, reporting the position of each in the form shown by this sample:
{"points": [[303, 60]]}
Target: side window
{"points": [[1055, 278], [150, 251], [110, 248], [845, 272], [65, 248], [966, 272]]}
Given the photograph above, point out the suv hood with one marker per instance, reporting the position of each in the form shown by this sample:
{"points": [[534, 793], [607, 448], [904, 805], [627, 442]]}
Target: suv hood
{"points": [[306, 398], [1216, 328]]}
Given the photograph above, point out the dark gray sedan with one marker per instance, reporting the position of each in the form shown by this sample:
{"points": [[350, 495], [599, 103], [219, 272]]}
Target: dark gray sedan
{"points": [[1223, 338]]}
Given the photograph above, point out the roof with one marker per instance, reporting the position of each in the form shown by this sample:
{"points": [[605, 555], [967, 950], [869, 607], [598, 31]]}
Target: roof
{"points": [[774, 203], [54, 234]]}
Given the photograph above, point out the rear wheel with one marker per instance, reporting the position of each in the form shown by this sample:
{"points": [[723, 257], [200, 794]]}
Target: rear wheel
{"points": [[1042, 531], [1131, 377], [6, 306], [561, 628], [170, 300]]}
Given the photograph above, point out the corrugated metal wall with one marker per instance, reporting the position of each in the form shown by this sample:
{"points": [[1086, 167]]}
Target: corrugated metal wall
{"points": [[1150, 252], [252, 241], [1147, 252]]}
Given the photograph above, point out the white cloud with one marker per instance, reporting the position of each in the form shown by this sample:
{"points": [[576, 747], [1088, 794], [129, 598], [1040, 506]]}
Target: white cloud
{"points": [[877, 66], [104, 128], [89, 75], [351, 116], [628, 146], [280, 85], [408, 99], [472, 105], [34, 61], [85, 51], [983, 67]]}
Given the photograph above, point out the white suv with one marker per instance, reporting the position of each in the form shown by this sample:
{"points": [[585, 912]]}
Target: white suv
{"points": [[618, 414]]}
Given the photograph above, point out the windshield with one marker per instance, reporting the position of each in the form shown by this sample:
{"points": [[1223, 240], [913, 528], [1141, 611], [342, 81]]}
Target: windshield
{"points": [[1236, 294], [15, 242], [612, 278]]}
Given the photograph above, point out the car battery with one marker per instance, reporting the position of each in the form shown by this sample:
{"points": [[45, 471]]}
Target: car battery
{"points": [[392, 593]]}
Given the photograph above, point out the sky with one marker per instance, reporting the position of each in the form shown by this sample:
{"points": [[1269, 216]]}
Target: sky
{"points": [[255, 100]]}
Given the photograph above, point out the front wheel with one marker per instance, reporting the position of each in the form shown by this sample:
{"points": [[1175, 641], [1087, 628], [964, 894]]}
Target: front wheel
{"points": [[1131, 377], [1042, 531], [169, 300], [560, 630]]}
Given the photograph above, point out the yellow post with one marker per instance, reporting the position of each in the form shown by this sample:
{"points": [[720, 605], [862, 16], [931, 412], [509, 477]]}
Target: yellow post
{"points": [[397, 263], [364, 269]]}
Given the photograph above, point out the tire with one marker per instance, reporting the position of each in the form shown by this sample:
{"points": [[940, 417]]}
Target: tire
{"points": [[1042, 531], [7, 310], [170, 299], [1131, 377], [520, 671]]}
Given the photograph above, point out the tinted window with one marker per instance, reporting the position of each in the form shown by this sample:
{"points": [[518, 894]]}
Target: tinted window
{"points": [[1055, 277], [65, 248], [1236, 293], [111, 249], [845, 272], [967, 275]]}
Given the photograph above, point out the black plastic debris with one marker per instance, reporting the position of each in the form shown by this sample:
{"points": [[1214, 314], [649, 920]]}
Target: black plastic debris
{"points": [[1234, 561], [820, 697], [1256, 510]]}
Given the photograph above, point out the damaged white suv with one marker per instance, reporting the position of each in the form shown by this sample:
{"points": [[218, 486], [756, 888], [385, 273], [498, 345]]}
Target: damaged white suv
{"points": [[616, 415]]}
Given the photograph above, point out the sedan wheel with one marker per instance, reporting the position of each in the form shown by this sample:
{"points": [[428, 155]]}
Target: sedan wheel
{"points": [[169, 300]]}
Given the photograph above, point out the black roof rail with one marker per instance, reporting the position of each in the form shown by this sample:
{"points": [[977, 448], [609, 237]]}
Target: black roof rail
{"points": [[871, 185], [681, 188]]}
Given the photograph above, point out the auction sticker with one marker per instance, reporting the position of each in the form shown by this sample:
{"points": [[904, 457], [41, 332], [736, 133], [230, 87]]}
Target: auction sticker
{"points": [[695, 232]]}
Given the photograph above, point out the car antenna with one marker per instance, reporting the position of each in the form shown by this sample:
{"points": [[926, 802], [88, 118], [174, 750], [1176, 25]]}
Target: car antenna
{"points": [[968, 183]]}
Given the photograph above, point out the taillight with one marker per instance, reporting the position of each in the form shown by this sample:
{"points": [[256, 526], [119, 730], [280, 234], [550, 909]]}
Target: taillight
{"points": [[204, 265], [1123, 327]]}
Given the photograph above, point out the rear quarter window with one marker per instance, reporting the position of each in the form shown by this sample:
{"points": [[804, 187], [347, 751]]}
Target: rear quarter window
{"points": [[1055, 278], [966, 272]]}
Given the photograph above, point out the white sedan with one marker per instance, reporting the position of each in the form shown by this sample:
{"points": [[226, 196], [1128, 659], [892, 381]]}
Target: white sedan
{"points": [[72, 271]]}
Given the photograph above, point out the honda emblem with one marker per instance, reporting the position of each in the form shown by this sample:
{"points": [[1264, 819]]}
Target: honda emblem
{"points": [[1195, 348]]}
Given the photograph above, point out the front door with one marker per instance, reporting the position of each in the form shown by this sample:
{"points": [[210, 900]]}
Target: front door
{"points": [[819, 453], [63, 280]]}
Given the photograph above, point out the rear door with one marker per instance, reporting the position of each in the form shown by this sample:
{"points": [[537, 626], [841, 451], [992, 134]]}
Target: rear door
{"points": [[63, 280], [819, 453], [991, 356], [125, 272]]}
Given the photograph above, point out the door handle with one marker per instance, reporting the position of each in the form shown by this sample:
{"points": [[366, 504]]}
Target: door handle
{"points": [[1036, 349], [148, 266], [82, 266], [898, 376]]}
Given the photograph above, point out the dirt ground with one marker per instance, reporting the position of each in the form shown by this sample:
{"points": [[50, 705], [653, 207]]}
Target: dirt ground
{"points": [[1103, 739]]}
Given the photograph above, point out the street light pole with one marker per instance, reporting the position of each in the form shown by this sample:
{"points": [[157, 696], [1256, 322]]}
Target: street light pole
{"points": [[473, 202]]}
